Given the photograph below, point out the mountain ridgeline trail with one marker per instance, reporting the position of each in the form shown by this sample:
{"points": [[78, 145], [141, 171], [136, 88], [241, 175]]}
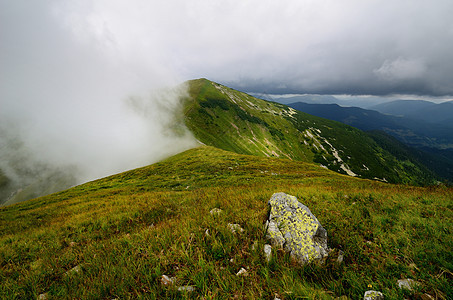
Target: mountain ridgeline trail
{"points": [[235, 121]]}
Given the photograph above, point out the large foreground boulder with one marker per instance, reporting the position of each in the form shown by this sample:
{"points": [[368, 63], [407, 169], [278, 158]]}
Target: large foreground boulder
{"points": [[291, 225]]}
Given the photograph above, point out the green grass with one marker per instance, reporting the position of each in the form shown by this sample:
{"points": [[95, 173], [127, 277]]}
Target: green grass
{"points": [[127, 230]]}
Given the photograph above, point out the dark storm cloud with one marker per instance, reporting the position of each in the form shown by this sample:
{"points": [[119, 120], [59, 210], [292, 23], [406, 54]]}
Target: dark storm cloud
{"points": [[354, 47]]}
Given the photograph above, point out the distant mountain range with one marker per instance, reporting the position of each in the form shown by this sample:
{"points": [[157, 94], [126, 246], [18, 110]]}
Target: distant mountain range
{"points": [[426, 111], [411, 131], [433, 142], [363, 102], [439, 113]]}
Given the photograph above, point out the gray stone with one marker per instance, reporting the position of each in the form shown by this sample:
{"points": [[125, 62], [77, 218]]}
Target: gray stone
{"points": [[75, 270], [235, 228], [167, 280], [408, 284], [340, 257], [242, 272], [373, 295], [292, 225], [186, 288], [44, 296]]}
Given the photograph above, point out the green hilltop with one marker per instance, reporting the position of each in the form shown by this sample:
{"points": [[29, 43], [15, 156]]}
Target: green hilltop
{"points": [[115, 237]]}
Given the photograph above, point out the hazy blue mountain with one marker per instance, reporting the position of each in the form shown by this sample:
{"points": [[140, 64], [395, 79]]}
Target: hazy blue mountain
{"points": [[426, 111], [410, 131], [314, 99], [439, 113], [355, 101], [402, 107]]}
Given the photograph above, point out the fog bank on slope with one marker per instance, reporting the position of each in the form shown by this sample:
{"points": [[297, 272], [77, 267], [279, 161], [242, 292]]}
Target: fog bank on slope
{"points": [[74, 108]]}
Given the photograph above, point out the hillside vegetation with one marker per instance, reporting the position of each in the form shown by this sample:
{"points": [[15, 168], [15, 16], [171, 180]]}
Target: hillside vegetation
{"points": [[231, 120], [120, 234]]}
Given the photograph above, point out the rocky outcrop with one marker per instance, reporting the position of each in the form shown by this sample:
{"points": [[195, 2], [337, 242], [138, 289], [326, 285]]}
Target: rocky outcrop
{"points": [[291, 225]]}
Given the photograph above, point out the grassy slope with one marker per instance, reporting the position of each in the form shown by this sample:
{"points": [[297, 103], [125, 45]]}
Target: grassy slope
{"points": [[126, 230], [234, 121]]}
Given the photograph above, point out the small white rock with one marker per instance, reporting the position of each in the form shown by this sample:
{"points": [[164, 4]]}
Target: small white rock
{"points": [[267, 252], [75, 270], [407, 284], [242, 272], [255, 244], [235, 228], [44, 296], [340, 257], [167, 280], [215, 211], [186, 288]]}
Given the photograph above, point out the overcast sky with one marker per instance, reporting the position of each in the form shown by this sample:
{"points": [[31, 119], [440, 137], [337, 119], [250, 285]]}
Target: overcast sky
{"points": [[300, 46], [66, 67]]}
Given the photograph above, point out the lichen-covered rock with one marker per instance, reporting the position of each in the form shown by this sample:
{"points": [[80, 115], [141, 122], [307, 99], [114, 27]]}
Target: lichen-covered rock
{"points": [[292, 225], [373, 295]]}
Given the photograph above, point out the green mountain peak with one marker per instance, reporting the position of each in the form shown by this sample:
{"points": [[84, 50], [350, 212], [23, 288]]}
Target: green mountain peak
{"points": [[235, 121]]}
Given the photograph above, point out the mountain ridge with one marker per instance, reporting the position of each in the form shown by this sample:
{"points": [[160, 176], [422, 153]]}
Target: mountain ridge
{"points": [[235, 121]]}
